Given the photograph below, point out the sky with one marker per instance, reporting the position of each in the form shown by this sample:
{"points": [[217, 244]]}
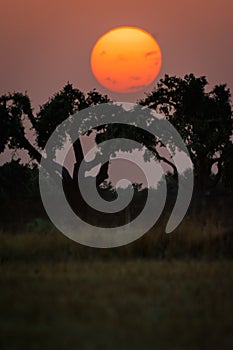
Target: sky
{"points": [[46, 43]]}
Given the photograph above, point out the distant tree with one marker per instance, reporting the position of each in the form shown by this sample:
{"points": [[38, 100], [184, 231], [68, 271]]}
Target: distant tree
{"points": [[18, 181], [227, 172], [19, 193], [203, 119]]}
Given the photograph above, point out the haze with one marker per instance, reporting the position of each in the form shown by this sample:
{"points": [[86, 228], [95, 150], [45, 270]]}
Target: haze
{"points": [[44, 44]]}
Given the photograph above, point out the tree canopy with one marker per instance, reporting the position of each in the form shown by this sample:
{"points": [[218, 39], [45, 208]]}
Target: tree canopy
{"points": [[203, 119]]}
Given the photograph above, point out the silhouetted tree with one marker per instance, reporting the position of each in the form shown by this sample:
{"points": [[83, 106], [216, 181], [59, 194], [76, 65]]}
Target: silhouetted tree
{"points": [[203, 119], [16, 108]]}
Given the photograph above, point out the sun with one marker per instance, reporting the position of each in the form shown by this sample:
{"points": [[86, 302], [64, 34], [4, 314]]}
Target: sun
{"points": [[126, 59]]}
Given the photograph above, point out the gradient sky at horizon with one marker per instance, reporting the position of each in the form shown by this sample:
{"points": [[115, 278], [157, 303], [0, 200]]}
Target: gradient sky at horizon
{"points": [[44, 44]]}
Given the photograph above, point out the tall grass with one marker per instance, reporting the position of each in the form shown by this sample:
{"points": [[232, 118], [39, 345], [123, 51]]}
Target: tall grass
{"points": [[192, 239]]}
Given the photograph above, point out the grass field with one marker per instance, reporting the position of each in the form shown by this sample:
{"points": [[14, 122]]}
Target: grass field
{"points": [[52, 298]]}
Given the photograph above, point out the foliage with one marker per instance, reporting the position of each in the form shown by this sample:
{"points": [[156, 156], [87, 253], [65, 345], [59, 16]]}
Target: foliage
{"points": [[18, 181], [40, 226], [203, 119], [19, 194], [16, 108]]}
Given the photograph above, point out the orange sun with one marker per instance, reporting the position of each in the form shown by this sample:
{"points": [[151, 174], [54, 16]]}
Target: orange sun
{"points": [[126, 59]]}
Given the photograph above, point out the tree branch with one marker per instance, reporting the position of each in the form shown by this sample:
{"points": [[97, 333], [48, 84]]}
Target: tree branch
{"points": [[103, 174], [163, 159], [32, 119], [52, 166]]}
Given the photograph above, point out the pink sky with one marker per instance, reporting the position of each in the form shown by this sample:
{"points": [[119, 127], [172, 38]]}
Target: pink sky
{"points": [[45, 43]]}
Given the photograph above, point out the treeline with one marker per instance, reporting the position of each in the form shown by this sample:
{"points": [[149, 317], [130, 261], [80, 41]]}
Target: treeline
{"points": [[202, 118], [20, 200], [21, 207]]}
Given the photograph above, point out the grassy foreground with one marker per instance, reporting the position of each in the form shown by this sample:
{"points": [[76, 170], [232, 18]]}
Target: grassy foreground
{"points": [[50, 303]]}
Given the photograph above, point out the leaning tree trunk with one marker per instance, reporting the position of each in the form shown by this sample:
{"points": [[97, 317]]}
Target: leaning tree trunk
{"points": [[72, 188]]}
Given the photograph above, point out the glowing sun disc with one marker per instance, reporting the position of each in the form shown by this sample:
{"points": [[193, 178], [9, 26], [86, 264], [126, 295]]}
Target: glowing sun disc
{"points": [[126, 59]]}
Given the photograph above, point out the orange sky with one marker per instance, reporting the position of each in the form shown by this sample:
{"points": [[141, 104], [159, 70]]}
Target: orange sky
{"points": [[45, 43]]}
